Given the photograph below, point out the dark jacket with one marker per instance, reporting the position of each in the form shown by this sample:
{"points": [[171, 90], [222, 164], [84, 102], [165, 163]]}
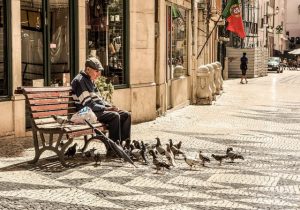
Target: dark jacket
{"points": [[85, 93], [244, 62]]}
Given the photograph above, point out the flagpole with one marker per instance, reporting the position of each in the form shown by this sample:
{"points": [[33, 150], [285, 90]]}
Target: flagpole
{"points": [[216, 23]]}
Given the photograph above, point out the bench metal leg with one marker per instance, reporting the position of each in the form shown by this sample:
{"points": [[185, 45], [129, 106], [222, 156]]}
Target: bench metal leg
{"points": [[36, 147], [93, 137], [60, 151]]}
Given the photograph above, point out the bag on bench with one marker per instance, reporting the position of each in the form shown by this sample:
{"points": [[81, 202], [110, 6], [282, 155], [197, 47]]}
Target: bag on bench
{"points": [[83, 114]]}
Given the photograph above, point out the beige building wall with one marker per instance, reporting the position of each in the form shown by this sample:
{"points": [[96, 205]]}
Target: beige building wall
{"points": [[293, 17], [146, 95], [138, 98], [13, 118]]}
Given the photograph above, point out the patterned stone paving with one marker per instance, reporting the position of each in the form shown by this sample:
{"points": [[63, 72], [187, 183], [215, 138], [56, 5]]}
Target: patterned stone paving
{"points": [[260, 120]]}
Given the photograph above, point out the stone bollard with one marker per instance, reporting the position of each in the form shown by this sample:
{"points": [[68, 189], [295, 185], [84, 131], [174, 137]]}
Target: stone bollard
{"points": [[212, 80], [203, 90], [220, 73], [217, 78], [178, 71]]}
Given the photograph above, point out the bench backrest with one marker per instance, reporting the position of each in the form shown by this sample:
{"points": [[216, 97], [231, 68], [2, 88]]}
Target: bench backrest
{"points": [[46, 101]]}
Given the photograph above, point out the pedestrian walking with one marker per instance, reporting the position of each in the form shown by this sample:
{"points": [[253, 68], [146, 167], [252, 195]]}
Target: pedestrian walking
{"points": [[244, 67]]}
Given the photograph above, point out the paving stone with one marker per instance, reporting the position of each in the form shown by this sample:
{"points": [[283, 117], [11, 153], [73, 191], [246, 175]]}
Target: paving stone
{"points": [[64, 195], [244, 179]]}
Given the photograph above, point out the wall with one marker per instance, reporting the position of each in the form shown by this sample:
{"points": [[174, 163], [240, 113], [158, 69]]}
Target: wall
{"points": [[6, 118], [293, 18], [179, 92], [142, 45]]}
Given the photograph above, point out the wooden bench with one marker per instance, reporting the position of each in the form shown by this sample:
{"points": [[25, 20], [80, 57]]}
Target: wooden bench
{"points": [[44, 102]]}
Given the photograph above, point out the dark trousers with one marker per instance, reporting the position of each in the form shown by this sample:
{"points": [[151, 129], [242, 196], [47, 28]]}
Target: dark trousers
{"points": [[119, 124]]}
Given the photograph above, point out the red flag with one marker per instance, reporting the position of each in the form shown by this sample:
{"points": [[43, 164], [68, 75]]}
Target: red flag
{"points": [[232, 14]]}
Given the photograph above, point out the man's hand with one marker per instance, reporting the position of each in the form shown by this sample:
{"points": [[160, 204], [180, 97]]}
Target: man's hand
{"points": [[112, 109]]}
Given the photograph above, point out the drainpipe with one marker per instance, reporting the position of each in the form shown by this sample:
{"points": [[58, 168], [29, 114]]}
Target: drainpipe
{"points": [[194, 49]]}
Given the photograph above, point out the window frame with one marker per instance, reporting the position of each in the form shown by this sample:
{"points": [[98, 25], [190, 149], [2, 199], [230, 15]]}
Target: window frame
{"points": [[7, 43], [126, 43]]}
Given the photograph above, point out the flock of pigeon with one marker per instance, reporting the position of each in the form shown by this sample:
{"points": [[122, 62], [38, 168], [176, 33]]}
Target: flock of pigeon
{"points": [[162, 157]]}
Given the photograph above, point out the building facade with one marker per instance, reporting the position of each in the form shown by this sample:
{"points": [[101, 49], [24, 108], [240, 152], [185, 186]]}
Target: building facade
{"points": [[148, 49], [292, 22]]}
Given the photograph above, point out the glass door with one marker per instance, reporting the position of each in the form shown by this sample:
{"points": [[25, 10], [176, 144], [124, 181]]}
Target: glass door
{"points": [[45, 31], [32, 31], [59, 46]]}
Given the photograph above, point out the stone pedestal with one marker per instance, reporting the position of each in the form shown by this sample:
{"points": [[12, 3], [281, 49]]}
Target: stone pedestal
{"points": [[217, 78], [203, 89], [212, 80], [220, 73]]}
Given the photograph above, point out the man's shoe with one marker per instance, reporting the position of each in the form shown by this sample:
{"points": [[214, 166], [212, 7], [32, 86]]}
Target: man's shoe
{"points": [[241, 82], [246, 81]]}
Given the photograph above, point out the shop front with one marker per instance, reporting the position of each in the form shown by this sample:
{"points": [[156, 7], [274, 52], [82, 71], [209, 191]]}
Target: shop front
{"points": [[173, 54], [46, 42]]}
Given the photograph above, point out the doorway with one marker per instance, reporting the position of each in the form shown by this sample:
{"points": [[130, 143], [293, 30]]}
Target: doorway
{"points": [[169, 56], [45, 35]]}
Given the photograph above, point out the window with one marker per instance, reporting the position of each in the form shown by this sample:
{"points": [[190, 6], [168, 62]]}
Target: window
{"points": [[177, 42], [105, 37], [45, 47], [3, 53]]}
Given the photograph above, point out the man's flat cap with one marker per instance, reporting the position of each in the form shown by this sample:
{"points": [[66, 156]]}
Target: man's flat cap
{"points": [[93, 63]]}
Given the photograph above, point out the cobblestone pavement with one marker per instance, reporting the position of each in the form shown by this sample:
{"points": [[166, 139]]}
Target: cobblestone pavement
{"points": [[260, 120]]}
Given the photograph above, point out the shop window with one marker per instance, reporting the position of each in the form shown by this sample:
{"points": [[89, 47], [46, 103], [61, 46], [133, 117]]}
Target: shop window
{"points": [[45, 47], [177, 42], [105, 37], [3, 66]]}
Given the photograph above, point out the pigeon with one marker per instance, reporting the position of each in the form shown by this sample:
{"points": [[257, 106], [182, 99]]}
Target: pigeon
{"points": [[97, 158], [127, 144], [219, 157], [191, 161], [90, 153], [178, 146], [144, 152], [150, 146], [175, 150], [71, 151], [232, 155], [136, 153], [60, 120], [136, 144], [159, 164], [203, 158], [170, 156], [159, 148]]}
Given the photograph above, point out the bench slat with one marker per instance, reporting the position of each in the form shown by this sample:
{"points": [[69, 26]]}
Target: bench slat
{"points": [[72, 129], [49, 95], [52, 107], [55, 112], [47, 120], [45, 89], [50, 101], [76, 133]]}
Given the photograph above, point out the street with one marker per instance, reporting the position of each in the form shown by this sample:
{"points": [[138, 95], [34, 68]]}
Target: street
{"points": [[260, 120]]}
